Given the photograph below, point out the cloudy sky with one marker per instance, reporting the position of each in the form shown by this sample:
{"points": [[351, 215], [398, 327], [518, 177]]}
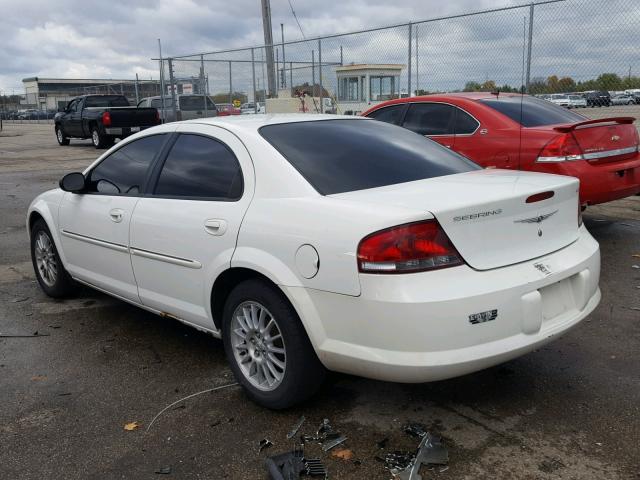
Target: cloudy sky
{"points": [[117, 39]]}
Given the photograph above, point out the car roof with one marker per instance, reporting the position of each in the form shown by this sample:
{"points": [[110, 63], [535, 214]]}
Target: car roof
{"points": [[252, 123]]}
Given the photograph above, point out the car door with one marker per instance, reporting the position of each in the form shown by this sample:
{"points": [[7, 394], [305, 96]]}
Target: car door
{"points": [[432, 119], [469, 140], [75, 119], [67, 118], [95, 225], [183, 234]]}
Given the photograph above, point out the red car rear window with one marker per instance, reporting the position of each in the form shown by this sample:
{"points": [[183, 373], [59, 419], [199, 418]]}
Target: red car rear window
{"points": [[532, 112]]}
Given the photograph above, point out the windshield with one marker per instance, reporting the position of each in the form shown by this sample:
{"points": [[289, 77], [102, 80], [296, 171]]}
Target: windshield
{"points": [[190, 103], [337, 156], [533, 112], [106, 101]]}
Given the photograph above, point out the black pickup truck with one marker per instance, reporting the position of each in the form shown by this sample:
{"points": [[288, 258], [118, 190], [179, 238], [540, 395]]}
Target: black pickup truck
{"points": [[102, 118]]}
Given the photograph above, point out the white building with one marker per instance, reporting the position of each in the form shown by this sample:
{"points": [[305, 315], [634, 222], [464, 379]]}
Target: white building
{"points": [[361, 86]]}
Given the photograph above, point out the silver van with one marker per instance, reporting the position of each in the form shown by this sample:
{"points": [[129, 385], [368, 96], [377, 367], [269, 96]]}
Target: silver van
{"points": [[187, 107]]}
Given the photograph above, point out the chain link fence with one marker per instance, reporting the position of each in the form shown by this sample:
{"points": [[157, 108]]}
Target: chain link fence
{"points": [[547, 48]]}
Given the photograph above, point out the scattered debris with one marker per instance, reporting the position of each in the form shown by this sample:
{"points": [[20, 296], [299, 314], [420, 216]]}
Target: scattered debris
{"points": [[397, 461], [38, 378], [343, 454], [295, 428], [286, 466], [635, 266], [635, 308], [131, 426], [415, 430], [333, 442], [431, 451], [315, 468], [264, 444], [163, 470], [636, 255], [188, 397], [19, 299]]}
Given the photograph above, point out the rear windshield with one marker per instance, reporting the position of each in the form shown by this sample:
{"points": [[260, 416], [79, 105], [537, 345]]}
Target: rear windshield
{"points": [[106, 101], [337, 156], [195, 103], [534, 112]]}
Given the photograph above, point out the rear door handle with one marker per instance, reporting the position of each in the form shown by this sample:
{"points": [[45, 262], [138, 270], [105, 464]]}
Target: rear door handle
{"points": [[215, 226], [116, 214]]}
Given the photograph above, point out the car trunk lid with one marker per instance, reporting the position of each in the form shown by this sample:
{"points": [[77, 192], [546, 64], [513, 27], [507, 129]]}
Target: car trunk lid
{"points": [[604, 140], [486, 215]]}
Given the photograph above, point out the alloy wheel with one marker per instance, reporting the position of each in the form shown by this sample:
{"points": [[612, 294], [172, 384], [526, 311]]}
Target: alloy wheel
{"points": [[46, 259], [258, 346]]}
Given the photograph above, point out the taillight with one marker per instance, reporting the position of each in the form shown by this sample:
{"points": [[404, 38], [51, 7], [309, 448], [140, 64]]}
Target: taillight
{"points": [[413, 247], [562, 148], [157, 117], [106, 119]]}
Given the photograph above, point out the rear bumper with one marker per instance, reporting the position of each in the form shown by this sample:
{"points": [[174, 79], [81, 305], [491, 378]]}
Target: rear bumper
{"points": [[601, 182], [124, 131], [417, 327]]}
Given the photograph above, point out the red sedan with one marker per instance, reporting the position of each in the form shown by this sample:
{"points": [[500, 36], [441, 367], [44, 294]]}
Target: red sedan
{"points": [[526, 133]]}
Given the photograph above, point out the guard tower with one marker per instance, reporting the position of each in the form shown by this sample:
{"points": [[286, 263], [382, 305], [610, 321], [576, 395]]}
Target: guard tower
{"points": [[361, 86]]}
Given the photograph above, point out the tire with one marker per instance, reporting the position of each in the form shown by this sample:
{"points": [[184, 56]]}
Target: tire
{"points": [[99, 140], [61, 137], [50, 273], [302, 374]]}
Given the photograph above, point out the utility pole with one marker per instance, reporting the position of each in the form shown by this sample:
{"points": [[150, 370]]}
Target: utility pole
{"points": [[268, 45], [284, 59]]}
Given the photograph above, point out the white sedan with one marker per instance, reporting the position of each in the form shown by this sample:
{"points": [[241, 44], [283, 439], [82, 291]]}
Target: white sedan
{"points": [[314, 242]]}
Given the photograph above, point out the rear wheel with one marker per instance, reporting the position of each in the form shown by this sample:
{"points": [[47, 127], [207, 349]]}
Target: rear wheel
{"points": [[61, 137], [267, 346], [100, 140], [50, 273]]}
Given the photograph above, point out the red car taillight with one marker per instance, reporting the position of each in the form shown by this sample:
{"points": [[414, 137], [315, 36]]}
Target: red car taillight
{"points": [[106, 119], [413, 247], [562, 148], [157, 117]]}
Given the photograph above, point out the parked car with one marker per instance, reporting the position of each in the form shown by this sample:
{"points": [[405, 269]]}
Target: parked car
{"points": [[623, 99], [227, 109], [188, 106], [577, 101], [598, 99], [526, 133], [313, 242], [102, 118], [250, 108], [560, 99]]}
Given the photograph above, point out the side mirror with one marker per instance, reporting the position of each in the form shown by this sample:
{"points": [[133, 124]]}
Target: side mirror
{"points": [[73, 182]]}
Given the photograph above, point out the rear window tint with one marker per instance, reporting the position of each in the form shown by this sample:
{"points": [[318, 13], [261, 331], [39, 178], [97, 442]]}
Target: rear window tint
{"points": [[534, 112], [388, 114], [337, 156], [106, 101]]}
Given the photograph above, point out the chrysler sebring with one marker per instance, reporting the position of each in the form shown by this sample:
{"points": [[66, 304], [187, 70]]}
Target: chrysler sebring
{"points": [[315, 242]]}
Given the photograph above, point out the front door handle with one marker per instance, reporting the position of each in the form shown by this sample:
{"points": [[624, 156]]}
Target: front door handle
{"points": [[116, 214], [215, 226]]}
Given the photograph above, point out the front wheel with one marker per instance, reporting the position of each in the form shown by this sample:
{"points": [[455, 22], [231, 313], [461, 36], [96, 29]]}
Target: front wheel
{"points": [[50, 273], [267, 346], [61, 137], [99, 140]]}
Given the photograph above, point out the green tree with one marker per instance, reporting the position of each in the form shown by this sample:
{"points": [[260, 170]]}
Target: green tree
{"points": [[472, 87]]}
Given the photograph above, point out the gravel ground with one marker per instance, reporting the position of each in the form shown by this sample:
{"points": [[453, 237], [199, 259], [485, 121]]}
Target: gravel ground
{"points": [[569, 410]]}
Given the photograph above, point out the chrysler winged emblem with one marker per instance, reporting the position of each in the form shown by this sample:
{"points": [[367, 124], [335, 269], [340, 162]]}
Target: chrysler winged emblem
{"points": [[538, 219], [615, 138]]}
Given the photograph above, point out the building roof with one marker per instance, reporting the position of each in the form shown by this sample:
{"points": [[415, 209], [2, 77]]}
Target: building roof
{"points": [[97, 81], [370, 66]]}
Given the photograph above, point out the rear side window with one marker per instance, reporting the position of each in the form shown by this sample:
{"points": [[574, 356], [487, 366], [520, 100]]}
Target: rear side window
{"points": [[532, 112], [106, 101], [200, 167], [465, 124], [430, 119], [388, 114], [195, 103], [125, 170], [337, 156]]}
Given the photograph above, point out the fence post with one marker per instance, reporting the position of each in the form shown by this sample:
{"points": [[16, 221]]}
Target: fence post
{"points": [[284, 59], [137, 96], [253, 77], [341, 56], [173, 90], [290, 75], [320, 75], [408, 62], [230, 85], [528, 77], [417, 62], [203, 90], [313, 73]]}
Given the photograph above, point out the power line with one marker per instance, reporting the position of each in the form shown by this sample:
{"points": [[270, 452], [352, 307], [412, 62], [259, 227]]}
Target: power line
{"points": [[296, 18]]}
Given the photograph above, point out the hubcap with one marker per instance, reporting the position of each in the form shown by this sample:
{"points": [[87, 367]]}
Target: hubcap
{"points": [[46, 259], [95, 137], [60, 137], [258, 346]]}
